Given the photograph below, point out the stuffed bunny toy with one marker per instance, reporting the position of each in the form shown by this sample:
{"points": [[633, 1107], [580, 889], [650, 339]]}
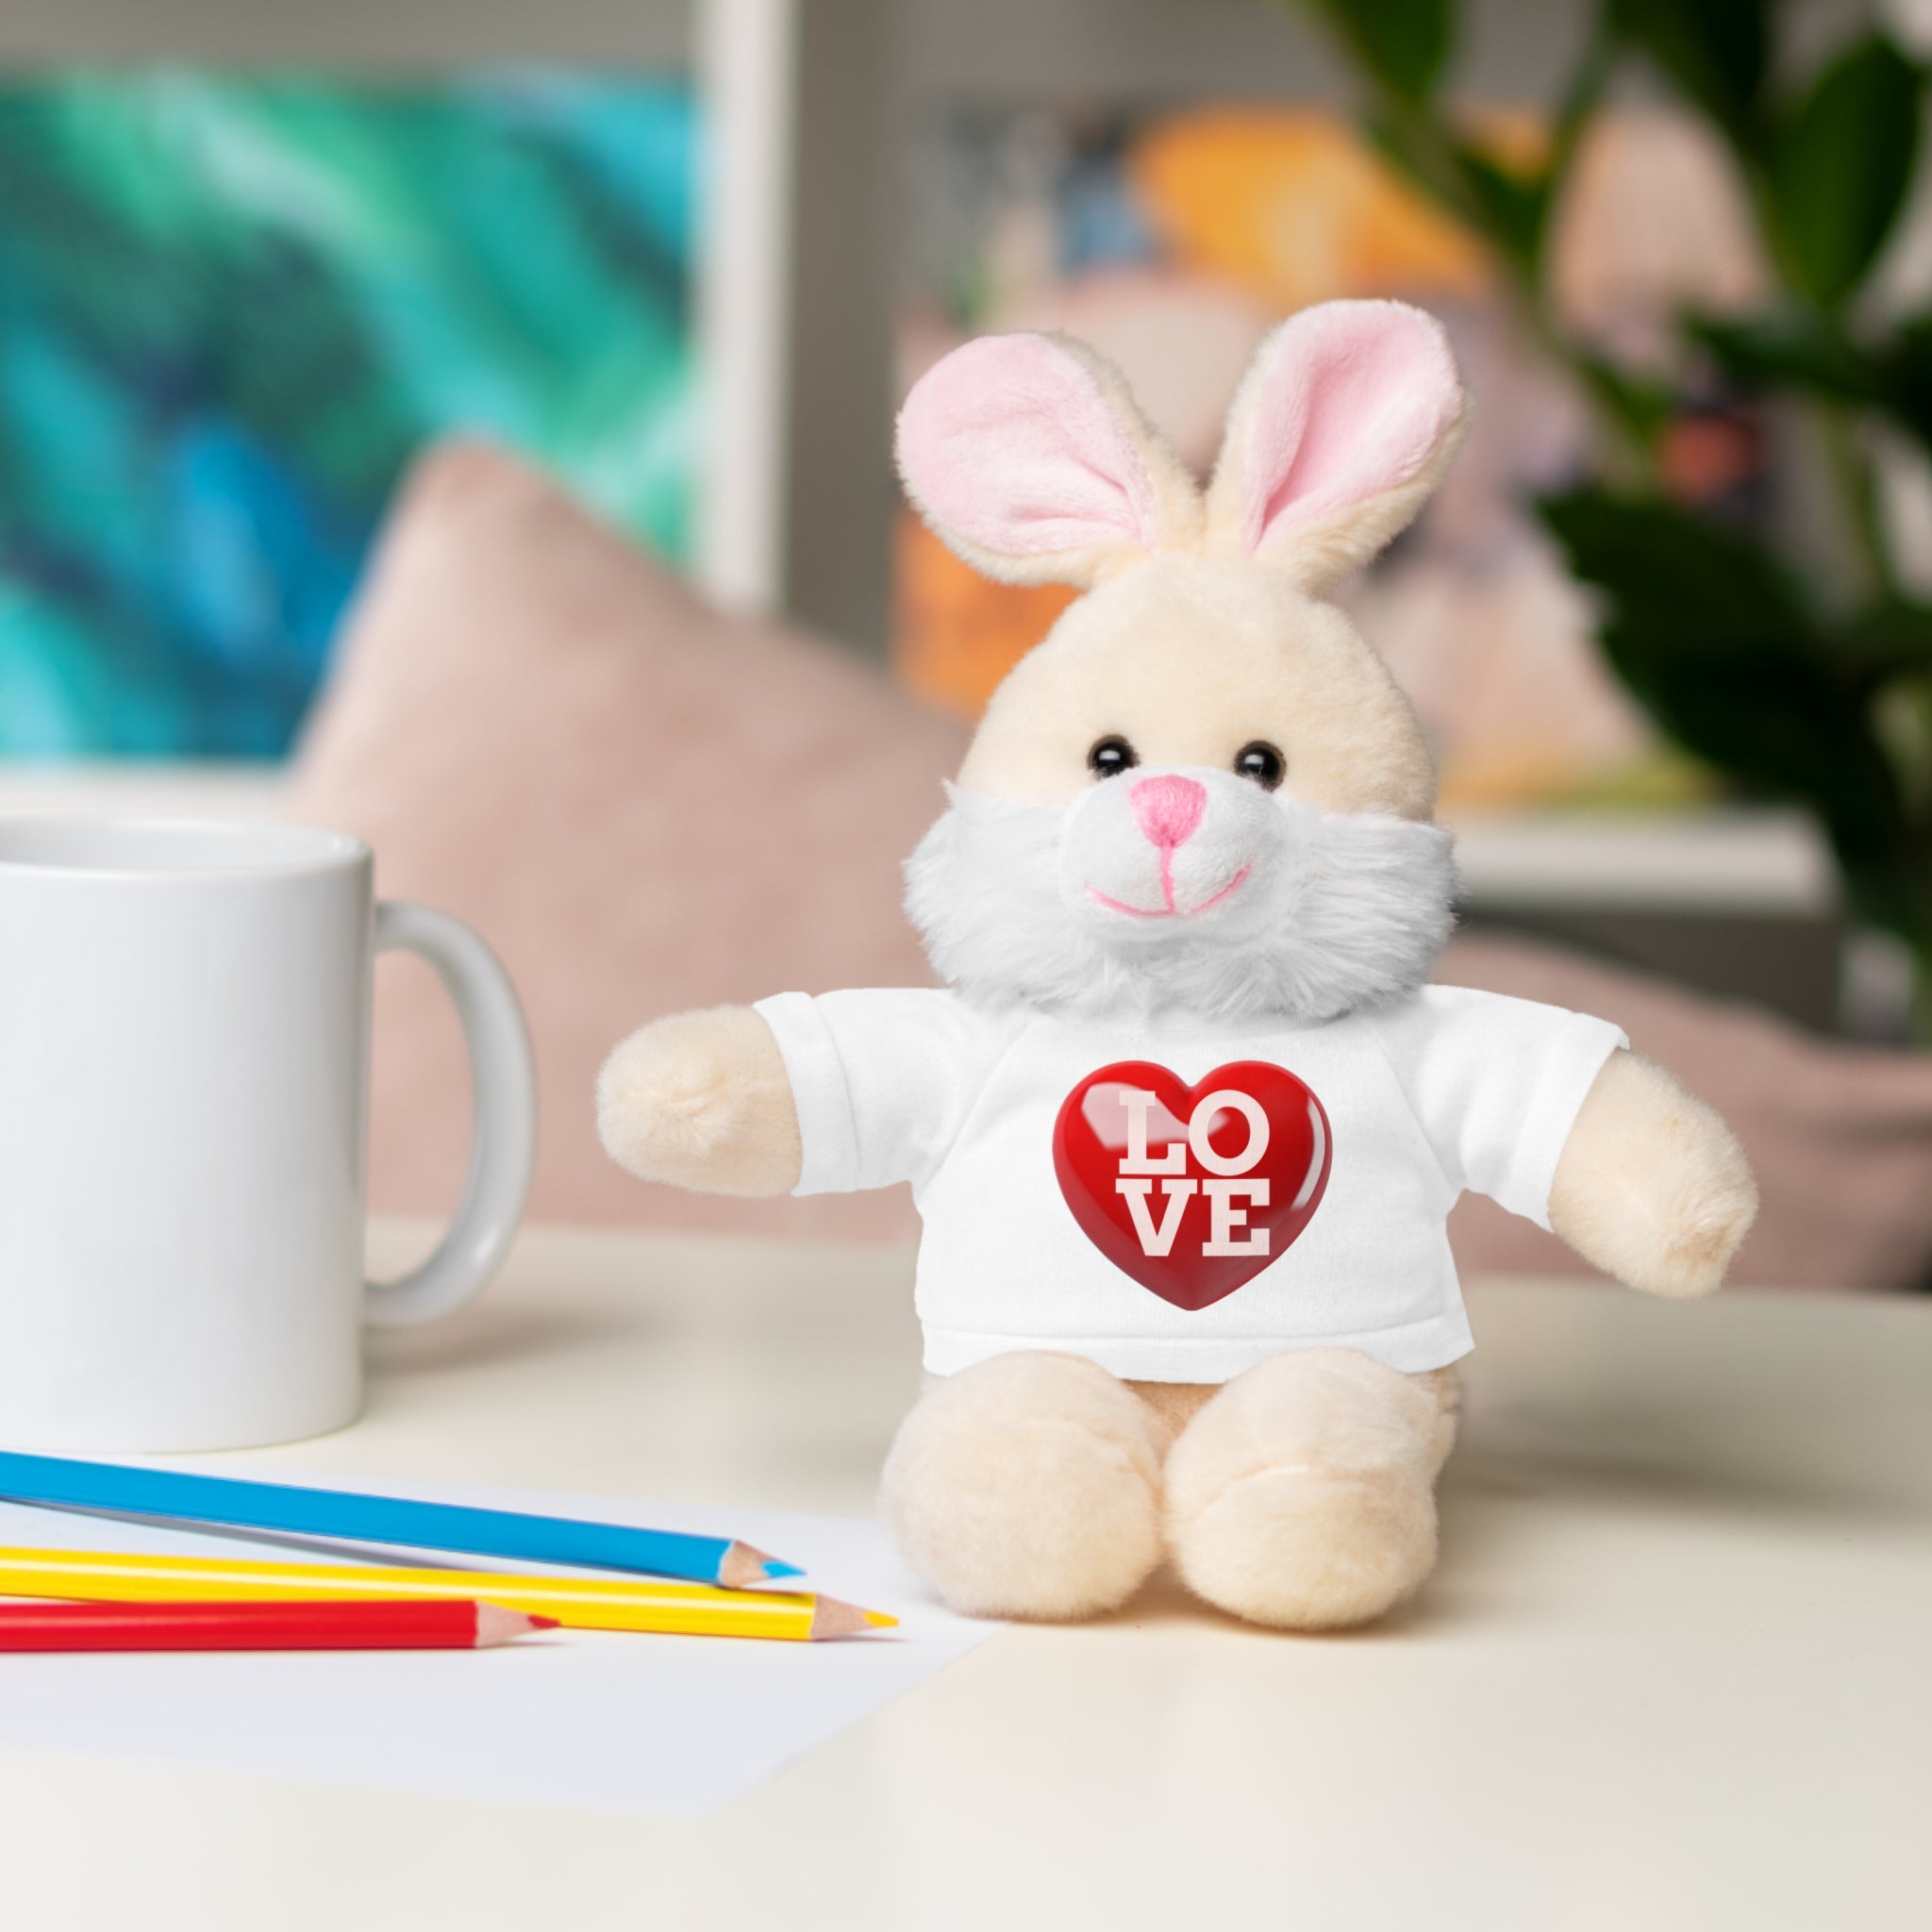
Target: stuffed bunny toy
{"points": [[1185, 1125]]}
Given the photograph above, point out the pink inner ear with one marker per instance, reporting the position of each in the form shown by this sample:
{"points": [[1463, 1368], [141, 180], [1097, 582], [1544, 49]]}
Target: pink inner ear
{"points": [[1355, 399], [1010, 444]]}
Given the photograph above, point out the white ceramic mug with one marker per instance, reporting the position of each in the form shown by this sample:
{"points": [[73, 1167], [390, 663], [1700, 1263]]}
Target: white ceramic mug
{"points": [[184, 1049]]}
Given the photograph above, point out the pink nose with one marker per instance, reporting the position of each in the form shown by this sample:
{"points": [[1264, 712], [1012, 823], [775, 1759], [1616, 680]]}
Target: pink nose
{"points": [[1167, 810]]}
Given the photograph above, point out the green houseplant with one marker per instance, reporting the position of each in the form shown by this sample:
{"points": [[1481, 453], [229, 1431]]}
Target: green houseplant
{"points": [[1808, 680]]}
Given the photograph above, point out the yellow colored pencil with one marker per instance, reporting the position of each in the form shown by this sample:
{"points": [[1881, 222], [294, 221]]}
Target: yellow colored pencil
{"points": [[578, 1602]]}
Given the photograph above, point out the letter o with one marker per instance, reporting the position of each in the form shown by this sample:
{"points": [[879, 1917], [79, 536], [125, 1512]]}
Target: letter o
{"points": [[1249, 1109]]}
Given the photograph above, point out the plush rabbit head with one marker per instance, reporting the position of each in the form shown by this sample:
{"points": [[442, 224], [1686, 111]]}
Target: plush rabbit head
{"points": [[1202, 790]]}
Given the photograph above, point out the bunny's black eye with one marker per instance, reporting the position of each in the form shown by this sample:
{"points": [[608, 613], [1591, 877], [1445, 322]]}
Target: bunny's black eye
{"points": [[1111, 757], [1261, 762]]}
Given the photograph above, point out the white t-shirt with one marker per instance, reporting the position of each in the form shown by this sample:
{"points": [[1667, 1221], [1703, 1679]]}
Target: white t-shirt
{"points": [[1034, 1223]]}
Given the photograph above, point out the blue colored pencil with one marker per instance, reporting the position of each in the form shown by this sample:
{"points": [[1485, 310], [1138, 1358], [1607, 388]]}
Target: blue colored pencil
{"points": [[343, 1516]]}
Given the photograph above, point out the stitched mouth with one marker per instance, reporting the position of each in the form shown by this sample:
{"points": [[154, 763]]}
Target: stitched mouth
{"points": [[1169, 910]]}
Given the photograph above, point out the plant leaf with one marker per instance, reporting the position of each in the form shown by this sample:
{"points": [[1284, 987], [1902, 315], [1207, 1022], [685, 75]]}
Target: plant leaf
{"points": [[1906, 366], [1891, 637], [1404, 45], [1677, 572], [1510, 208], [1717, 50], [1718, 642], [1838, 166], [1796, 348], [1805, 350]]}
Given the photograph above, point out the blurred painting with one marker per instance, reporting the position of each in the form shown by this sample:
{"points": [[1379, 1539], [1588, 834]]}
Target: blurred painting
{"points": [[232, 308], [1175, 240]]}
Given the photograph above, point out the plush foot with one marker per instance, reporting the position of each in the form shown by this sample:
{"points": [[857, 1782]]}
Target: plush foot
{"points": [[1027, 1486], [1302, 1495]]}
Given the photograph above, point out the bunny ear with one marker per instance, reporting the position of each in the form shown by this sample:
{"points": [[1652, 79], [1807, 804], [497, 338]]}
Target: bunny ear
{"points": [[1344, 423], [1031, 460]]}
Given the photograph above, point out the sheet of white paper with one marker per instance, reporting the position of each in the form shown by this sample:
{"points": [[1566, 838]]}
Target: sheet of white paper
{"points": [[591, 1719]]}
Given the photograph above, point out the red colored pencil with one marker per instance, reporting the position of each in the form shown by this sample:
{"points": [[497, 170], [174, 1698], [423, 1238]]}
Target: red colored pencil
{"points": [[368, 1626]]}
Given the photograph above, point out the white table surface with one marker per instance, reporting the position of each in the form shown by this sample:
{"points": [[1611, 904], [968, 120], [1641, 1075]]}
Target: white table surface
{"points": [[1676, 1670]]}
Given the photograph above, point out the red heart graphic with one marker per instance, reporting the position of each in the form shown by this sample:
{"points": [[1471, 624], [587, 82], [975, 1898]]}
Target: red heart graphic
{"points": [[1158, 1186]]}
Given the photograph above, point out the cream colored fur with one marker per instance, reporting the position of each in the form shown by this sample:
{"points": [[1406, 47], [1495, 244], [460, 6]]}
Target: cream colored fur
{"points": [[1652, 1184], [1320, 554], [1190, 658], [1303, 1494], [701, 1100], [1027, 1486], [1300, 1495]]}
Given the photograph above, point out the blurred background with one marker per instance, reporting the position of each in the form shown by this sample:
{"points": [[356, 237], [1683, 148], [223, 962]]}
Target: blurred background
{"points": [[1668, 624]]}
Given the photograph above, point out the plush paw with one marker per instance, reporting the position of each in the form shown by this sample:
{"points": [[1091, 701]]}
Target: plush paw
{"points": [[1302, 1496], [1027, 1486], [1698, 1238], [1652, 1186], [701, 1100]]}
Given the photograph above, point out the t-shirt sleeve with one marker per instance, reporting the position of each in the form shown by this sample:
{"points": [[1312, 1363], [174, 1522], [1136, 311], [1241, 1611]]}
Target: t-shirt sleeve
{"points": [[883, 1080], [1496, 1085]]}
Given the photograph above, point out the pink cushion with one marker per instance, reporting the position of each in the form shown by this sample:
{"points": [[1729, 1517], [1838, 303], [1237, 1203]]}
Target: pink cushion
{"points": [[640, 803]]}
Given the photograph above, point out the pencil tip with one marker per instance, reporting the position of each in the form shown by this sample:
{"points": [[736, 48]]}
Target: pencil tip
{"points": [[830, 1618], [742, 1566], [495, 1624]]}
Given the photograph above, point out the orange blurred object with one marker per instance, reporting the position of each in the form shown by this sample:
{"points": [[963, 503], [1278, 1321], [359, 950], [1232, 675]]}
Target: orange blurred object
{"points": [[1278, 209], [1295, 206], [957, 632]]}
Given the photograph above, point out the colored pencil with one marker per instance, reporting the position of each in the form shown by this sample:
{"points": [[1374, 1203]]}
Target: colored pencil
{"points": [[342, 1515], [457, 1624], [577, 1603]]}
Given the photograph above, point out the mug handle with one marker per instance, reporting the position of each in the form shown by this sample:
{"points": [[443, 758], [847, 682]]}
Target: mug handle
{"points": [[503, 1132]]}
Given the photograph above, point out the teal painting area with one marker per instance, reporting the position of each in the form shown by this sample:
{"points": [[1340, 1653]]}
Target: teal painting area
{"points": [[231, 309]]}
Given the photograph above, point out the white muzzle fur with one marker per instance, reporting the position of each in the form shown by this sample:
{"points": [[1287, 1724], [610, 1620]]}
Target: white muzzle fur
{"points": [[1180, 888]]}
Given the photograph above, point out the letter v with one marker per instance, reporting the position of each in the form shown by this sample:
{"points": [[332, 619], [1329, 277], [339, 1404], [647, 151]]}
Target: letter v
{"points": [[1154, 1241]]}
